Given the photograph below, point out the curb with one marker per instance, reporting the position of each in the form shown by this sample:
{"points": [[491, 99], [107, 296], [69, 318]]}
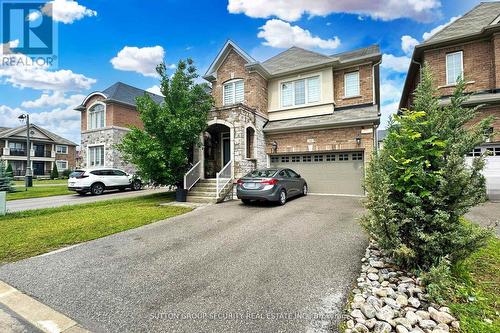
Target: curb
{"points": [[39, 315]]}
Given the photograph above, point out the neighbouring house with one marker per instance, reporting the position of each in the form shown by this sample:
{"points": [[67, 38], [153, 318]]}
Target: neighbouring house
{"points": [[47, 149], [106, 117], [469, 48], [381, 134]]}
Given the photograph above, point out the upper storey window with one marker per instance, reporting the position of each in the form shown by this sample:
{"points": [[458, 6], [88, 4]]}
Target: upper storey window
{"points": [[454, 67], [300, 92], [96, 116], [351, 84], [233, 92]]}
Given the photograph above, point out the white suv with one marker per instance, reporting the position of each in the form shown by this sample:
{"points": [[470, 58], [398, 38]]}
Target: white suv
{"points": [[96, 181]]}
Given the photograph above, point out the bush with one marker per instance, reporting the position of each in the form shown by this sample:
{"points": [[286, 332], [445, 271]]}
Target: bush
{"points": [[54, 174], [5, 179], [9, 169], [66, 173], [419, 185]]}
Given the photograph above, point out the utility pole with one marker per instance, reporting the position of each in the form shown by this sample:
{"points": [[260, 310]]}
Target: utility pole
{"points": [[28, 178]]}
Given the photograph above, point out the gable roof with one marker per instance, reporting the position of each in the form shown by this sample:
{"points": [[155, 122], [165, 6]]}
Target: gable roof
{"points": [[6, 132], [473, 22], [221, 56], [122, 93], [295, 58], [362, 53]]}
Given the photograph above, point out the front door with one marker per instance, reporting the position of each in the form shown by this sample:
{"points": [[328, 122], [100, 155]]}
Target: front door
{"points": [[226, 148], [38, 168]]}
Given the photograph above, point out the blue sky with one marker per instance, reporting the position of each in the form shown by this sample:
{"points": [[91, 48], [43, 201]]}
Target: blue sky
{"points": [[104, 41]]}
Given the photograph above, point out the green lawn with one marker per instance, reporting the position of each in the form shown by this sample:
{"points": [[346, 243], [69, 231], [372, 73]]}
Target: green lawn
{"points": [[475, 291], [26, 234], [38, 192], [37, 182]]}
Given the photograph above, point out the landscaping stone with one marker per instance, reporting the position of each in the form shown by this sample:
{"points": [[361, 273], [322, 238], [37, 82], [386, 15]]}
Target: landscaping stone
{"points": [[382, 327], [402, 300], [385, 314], [401, 329], [427, 324], [440, 316], [350, 323], [412, 317], [414, 302], [373, 276], [443, 327], [368, 310], [361, 328], [356, 313], [423, 314]]}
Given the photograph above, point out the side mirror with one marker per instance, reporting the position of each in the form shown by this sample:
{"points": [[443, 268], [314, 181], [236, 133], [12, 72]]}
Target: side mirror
{"points": [[298, 175]]}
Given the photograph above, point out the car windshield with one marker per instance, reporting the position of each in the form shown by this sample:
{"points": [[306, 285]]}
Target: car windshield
{"points": [[76, 173], [264, 173]]}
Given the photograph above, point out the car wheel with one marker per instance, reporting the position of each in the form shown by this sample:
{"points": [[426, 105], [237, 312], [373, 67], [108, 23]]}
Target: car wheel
{"points": [[282, 199], [97, 189], [304, 189], [245, 201], [136, 185]]}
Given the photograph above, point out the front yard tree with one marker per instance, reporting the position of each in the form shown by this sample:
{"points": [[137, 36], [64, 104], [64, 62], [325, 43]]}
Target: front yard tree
{"points": [[160, 150], [5, 179], [54, 174], [420, 186]]}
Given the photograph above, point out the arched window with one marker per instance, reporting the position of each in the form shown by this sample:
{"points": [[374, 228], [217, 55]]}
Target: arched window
{"points": [[233, 92], [250, 134], [96, 117]]}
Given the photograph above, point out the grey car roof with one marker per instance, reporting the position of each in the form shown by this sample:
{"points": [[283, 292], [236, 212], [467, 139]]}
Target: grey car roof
{"points": [[363, 114], [472, 22], [127, 94]]}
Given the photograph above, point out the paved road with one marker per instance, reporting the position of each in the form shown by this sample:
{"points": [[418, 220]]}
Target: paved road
{"points": [[220, 268], [71, 199], [486, 215]]}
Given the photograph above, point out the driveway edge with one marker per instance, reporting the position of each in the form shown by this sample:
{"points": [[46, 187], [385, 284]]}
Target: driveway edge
{"points": [[39, 315]]}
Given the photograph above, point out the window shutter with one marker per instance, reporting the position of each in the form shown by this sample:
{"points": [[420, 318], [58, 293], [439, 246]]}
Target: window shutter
{"points": [[313, 89], [300, 92], [239, 91]]}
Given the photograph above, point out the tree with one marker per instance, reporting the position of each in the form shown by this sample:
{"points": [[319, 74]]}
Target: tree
{"points": [[9, 168], [419, 186], [5, 179], [171, 129], [54, 174]]}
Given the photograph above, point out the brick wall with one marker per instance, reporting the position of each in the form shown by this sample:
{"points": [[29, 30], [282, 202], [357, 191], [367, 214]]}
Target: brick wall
{"points": [[486, 112], [70, 157], [255, 85], [122, 116], [365, 89], [323, 140], [478, 62]]}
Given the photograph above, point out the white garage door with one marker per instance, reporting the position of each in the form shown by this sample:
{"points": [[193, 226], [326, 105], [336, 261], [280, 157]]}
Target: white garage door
{"points": [[491, 169], [328, 173]]}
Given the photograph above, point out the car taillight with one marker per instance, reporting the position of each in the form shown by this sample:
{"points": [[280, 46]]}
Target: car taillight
{"points": [[239, 181], [272, 181]]}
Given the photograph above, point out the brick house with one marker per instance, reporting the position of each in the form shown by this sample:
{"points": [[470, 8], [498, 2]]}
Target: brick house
{"points": [[47, 149], [468, 48], [105, 118]]}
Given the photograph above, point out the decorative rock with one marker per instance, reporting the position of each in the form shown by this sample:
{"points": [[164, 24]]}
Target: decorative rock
{"points": [[373, 276], [427, 324], [412, 317], [368, 310], [455, 324], [370, 323], [439, 316], [437, 330], [384, 283], [417, 330], [350, 323], [377, 264], [392, 303], [402, 300], [445, 309], [443, 327], [382, 327], [380, 292], [401, 329], [377, 303], [357, 314], [414, 302], [361, 328], [372, 270], [386, 313], [403, 321], [423, 314]]}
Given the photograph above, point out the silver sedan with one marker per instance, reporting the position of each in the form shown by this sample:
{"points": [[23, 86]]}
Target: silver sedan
{"points": [[271, 184]]}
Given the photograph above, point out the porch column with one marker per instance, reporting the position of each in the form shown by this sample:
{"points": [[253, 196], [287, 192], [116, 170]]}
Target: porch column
{"points": [[231, 145], [201, 156]]}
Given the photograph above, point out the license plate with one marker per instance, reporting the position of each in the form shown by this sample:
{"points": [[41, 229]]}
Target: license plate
{"points": [[250, 185], [71, 184]]}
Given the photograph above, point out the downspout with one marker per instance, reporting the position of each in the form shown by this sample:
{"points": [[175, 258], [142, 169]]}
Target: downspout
{"points": [[375, 93]]}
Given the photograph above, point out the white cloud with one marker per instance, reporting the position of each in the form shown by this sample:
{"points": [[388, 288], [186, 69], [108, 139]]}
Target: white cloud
{"points": [[431, 33], [141, 60], [292, 10], [390, 91], [387, 110], [277, 33], [56, 99], [155, 90], [394, 63], [67, 11], [62, 121], [408, 43]]}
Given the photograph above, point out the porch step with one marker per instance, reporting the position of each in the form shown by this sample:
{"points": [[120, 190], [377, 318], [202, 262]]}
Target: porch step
{"points": [[207, 181], [204, 191], [201, 199]]}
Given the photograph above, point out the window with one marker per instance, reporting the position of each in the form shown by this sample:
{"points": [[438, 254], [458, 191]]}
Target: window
{"points": [[96, 116], [493, 151], [300, 92], [62, 165], [96, 156], [306, 158], [330, 157], [318, 158], [17, 145], [118, 173], [343, 157], [454, 67], [351, 84], [60, 149], [275, 159], [292, 173], [250, 140], [357, 156], [233, 92], [285, 159], [475, 152], [295, 159]]}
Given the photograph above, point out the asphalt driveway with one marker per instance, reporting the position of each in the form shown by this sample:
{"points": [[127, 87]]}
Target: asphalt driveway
{"points": [[220, 268]]}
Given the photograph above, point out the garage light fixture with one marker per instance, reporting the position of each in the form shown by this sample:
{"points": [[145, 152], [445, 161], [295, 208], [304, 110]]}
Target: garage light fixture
{"points": [[358, 140], [274, 147]]}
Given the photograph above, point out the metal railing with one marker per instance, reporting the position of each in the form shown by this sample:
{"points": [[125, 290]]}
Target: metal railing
{"points": [[192, 176], [43, 153], [17, 152], [224, 177]]}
